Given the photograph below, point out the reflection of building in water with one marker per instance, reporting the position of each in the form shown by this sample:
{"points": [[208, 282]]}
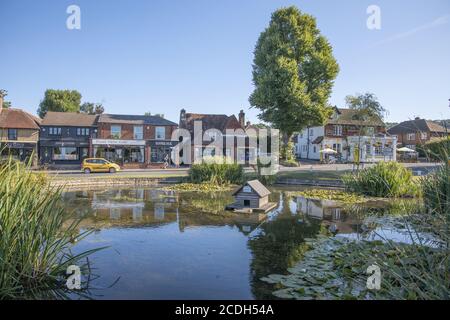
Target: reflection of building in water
{"points": [[331, 212], [159, 211]]}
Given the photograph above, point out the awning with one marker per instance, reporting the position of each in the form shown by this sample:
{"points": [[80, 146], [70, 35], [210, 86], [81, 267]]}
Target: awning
{"points": [[317, 140]]}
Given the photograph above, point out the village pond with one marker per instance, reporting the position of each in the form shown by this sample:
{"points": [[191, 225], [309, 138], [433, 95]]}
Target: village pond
{"points": [[183, 245]]}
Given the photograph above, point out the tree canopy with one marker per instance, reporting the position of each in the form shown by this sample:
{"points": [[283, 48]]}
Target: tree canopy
{"points": [[366, 105], [92, 108], [59, 101], [293, 72]]}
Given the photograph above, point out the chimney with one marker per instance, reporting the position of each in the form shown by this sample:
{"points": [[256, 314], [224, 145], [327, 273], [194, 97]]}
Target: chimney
{"points": [[182, 118], [242, 118], [1, 100], [417, 118]]}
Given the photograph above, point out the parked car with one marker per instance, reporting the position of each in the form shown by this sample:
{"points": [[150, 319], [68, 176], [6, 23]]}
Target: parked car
{"points": [[98, 165]]}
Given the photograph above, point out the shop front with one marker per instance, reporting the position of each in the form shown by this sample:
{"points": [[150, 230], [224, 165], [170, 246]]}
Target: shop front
{"points": [[126, 153], [20, 151], [63, 153], [160, 151]]}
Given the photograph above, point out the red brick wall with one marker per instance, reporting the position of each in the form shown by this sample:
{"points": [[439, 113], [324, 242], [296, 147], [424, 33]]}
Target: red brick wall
{"points": [[104, 131]]}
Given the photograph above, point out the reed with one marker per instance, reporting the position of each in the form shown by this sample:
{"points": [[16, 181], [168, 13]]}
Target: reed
{"points": [[36, 236]]}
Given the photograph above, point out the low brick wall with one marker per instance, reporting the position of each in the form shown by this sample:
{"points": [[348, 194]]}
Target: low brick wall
{"points": [[87, 183], [316, 183]]}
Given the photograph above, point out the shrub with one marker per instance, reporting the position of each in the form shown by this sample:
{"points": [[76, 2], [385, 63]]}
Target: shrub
{"points": [[385, 179], [216, 171], [34, 246]]}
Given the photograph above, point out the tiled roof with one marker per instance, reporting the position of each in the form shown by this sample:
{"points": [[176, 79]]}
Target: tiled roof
{"points": [[12, 118], [135, 119], [69, 119], [210, 121], [257, 186], [415, 125], [347, 116]]}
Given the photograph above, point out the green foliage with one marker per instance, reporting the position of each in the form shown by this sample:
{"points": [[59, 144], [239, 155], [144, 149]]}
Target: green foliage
{"points": [[198, 187], [92, 108], [35, 241], [436, 150], [436, 191], [367, 105], [6, 104], [59, 101], [385, 179], [216, 172], [293, 72], [335, 195]]}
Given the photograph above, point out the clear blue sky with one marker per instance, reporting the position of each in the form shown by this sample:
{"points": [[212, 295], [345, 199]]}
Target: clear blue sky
{"points": [[160, 56]]}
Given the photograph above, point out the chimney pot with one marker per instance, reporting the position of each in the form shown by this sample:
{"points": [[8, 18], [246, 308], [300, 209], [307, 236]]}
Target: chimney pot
{"points": [[242, 118]]}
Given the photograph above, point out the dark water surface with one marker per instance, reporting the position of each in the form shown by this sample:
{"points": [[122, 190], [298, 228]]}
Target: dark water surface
{"points": [[170, 245]]}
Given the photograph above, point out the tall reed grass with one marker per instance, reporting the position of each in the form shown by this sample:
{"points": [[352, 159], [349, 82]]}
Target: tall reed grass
{"points": [[35, 236], [216, 170], [385, 179]]}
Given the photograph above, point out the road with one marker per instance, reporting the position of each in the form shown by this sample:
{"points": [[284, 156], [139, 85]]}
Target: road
{"points": [[417, 168]]}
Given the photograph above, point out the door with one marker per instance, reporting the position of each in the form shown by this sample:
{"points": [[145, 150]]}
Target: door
{"points": [[103, 166]]}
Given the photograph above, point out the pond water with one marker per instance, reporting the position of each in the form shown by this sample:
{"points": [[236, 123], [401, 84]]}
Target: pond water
{"points": [[183, 245]]}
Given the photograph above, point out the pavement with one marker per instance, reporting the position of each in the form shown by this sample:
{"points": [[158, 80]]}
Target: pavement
{"points": [[417, 168]]}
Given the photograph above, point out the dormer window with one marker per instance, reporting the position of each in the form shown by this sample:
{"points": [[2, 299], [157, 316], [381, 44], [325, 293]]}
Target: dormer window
{"points": [[247, 189]]}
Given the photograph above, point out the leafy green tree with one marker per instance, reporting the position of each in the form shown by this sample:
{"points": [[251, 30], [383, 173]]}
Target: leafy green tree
{"points": [[293, 73], [92, 108], [6, 104], [60, 101], [367, 108]]}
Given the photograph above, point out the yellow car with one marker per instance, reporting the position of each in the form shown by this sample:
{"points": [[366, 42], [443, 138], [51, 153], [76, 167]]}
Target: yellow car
{"points": [[98, 165]]}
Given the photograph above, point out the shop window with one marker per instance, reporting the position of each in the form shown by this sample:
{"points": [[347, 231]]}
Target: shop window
{"points": [[133, 155], [116, 132], [138, 132], [159, 154], [84, 153], [12, 134], [65, 153], [110, 154], [160, 133]]}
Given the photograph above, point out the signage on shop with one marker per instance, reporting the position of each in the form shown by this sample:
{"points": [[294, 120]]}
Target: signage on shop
{"points": [[114, 142]]}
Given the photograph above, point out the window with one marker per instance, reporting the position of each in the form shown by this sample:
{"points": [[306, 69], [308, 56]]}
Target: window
{"points": [[133, 155], [370, 131], [65, 153], [368, 149], [337, 147], [379, 150], [116, 132], [12, 134], [423, 136], [54, 131], [160, 133], [314, 149], [246, 203], [337, 130], [82, 131], [311, 132], [159, 154], [247, 189], [411, 136], [138, 132]]}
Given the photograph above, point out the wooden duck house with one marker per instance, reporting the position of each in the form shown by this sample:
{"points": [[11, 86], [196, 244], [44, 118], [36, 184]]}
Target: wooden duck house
{"points": [[250, 197]]}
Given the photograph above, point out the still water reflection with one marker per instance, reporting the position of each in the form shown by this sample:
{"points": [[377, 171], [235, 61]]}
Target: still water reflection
{"points": [[169, 245]]}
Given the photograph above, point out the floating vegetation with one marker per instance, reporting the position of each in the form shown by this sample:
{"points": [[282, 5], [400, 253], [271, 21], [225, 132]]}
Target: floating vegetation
{"points": [[199, 187], [336, 195]]}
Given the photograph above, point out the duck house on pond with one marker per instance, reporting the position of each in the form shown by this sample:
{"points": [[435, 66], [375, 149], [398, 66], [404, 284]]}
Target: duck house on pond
{"points": [[253, 196]]}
